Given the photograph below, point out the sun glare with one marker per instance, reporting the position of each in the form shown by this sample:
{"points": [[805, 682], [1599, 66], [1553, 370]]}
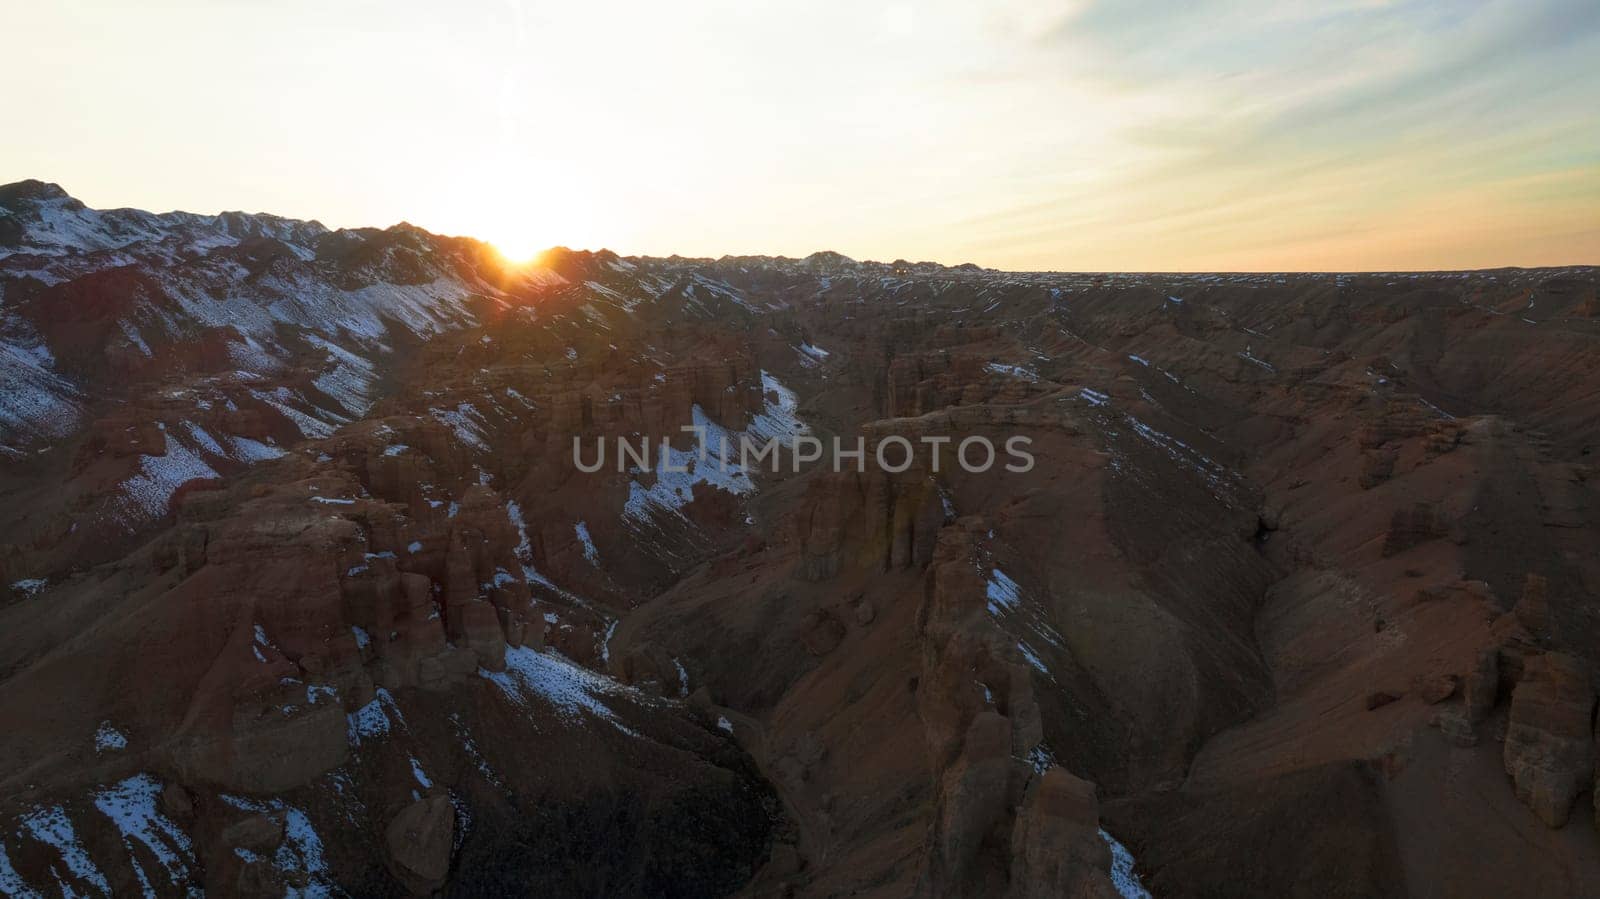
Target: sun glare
{"points": [[515, 248], [518, 230], [508, 203]]}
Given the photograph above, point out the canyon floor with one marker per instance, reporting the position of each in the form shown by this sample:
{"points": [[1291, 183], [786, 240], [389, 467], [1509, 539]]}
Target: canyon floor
{"points": [[302, 592]]}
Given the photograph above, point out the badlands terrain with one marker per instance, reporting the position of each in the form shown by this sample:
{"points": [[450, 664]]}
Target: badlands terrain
{"points": [[302, 594]]}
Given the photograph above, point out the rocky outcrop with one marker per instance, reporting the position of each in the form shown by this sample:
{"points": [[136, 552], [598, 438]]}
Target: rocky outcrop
{"points": [[1410, 527], [974, 800], [1377, 466], [989, 797], [1480, 689], [875, 519], [419, 840], [1549, 749], [259, 833], [1056, 846], [1533, 607], [821, 631]]}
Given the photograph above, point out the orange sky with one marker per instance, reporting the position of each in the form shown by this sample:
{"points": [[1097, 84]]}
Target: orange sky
{"points": [[1133, 135]]}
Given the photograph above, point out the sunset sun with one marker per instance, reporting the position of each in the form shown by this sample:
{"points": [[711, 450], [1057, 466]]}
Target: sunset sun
{"points": [[518, 245], [517, 225], [507, 202]]}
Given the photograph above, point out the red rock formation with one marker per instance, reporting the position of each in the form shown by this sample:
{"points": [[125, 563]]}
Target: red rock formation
{"points": [[328, 569], [1549, 749]]}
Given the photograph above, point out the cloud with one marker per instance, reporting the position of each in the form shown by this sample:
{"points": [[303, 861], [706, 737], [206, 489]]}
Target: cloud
{"points": [[1306, 126]]}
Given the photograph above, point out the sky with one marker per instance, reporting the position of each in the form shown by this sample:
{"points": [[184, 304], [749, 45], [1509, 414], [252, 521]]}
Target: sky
{"points": [[1095, 135]]}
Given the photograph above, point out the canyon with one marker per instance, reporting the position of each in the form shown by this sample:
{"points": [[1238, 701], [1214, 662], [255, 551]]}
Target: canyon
{"points": [[301, 591]]}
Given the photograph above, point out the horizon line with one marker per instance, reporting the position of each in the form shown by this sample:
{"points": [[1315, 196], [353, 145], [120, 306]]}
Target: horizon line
{"points": [[782, 256]]}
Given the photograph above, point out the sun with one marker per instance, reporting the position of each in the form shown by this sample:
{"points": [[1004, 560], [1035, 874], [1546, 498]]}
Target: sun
{"points": [[517, 231], [518, 249], [518, 206], [521, 226]]}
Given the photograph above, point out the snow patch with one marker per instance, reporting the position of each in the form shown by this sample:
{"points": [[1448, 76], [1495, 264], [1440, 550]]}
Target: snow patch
{"points": [[36, 402], [247, 450], [348, 379], [1003, 593], [372, 720], [1020, 372], [30, 586], [589, 551], [417, 772], [148, 494], [550, 679], [467, 423], [1253, 360], [11, 883], [811, 356], [683, 677], [1123, 876], [333, 501], [309, 425], [204, 440], [52, 827], [714, 462], [108, 738], [779, 418], [132, 806]]}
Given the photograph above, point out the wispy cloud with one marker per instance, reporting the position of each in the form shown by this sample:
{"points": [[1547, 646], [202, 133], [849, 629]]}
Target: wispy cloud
{"points": [[1305, 135]]}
